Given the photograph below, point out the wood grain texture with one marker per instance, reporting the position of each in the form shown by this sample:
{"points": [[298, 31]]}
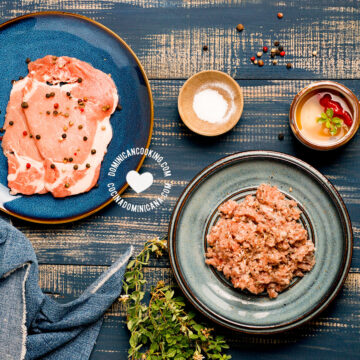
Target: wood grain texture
{"points": [[167, 36], [340, 322], [98, 239]]}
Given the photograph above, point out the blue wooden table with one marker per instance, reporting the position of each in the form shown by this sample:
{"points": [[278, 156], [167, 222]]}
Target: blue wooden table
{"points": [[168, 37]]}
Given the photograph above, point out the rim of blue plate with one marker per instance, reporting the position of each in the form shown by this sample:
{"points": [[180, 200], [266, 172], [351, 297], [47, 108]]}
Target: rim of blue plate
{"points": [[326, 185], [146, 80]]}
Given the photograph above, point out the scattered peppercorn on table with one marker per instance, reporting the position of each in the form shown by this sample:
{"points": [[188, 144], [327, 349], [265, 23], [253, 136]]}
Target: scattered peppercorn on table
{"points": [[298, 42]]}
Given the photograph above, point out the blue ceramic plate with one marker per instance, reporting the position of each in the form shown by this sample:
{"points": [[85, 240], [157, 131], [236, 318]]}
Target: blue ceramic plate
{"points": [[324, 216], [55, 33]]}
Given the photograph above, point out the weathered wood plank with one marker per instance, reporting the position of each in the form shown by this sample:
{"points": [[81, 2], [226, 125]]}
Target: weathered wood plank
{"points": [[168, 35], [98, 240], [338, 324]]}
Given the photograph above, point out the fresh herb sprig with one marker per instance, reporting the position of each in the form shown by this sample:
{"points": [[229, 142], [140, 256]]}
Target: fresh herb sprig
{"points": [[163, 329], [332, 122]]}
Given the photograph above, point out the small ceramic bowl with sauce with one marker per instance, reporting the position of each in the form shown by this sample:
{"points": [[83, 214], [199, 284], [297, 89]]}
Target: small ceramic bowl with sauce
{"points": [[324, 115], [210, 103]]}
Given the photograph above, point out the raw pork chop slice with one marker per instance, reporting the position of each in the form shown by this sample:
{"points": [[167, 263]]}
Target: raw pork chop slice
{"points": [[67, 104], [20, 148]]}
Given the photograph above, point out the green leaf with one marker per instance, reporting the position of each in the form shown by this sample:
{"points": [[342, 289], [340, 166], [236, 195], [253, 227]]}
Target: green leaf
{"points": [[327, 124], [130, 264], [198, 327], [337, 120], [324, 116], [171, 353], [321, 120], [329, 112]]}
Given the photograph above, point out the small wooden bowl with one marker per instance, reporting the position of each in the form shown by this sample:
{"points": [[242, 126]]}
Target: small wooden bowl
{"points": [[326, 85], [230, 91]]}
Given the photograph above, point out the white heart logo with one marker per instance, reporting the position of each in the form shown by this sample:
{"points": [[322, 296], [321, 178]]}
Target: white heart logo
{"points": [[137, 182]]}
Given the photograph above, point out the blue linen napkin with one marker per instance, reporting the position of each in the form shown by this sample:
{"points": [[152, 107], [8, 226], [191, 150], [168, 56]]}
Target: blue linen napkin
{"points": [[32, 325]]}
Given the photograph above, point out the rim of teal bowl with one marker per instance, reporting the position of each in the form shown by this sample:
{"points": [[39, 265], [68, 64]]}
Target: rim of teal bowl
{"points": [[337, 284]]}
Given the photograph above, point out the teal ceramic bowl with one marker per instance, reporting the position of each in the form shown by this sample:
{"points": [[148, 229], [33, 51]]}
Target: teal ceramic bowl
{"points": [[324, 215]]}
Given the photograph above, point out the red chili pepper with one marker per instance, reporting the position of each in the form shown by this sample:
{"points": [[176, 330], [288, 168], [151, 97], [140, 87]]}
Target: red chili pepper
{"points": [[252, 58], [75, 154], [56, 105], [347, 119], [25, 133], [282, 53], [265, 49], [324, 100], [82, 109], [28, 165], [327, 102]]}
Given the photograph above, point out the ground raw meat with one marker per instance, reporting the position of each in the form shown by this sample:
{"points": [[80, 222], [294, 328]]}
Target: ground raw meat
{"points": [[259, 244], [58, 127]]}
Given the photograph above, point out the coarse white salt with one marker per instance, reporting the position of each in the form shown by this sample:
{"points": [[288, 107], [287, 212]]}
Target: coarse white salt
{"points": [[209, 105]]}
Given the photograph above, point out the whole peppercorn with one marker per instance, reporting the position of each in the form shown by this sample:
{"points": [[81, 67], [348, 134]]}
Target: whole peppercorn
{"points": [[38, 137], [276, 43], [52, 166], [265, 49], [48, 112], [281, 136], [67, 185], [282, 53], [55, 113], [11, 123], [119, 107], [24, 105], [85, 138], [47, 96], [76, 167], [79, 80], [80, 127], [259, 54], [205, 48], [280, 15], [52, 94], [261, 63], [88, 165], [27, 60], [281, 48], [240, 27], [68, 93], [71, 159], [288, 65], [93, 151], [63, 136]]}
